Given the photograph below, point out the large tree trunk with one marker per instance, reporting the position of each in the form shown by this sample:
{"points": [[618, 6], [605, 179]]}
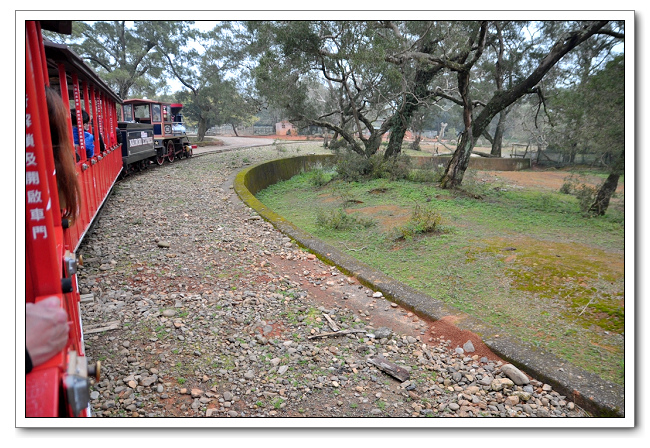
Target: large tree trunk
{"points": [[403, 116], [458, 164], [395, 141], [497, 142], [599, 207], [459, 161], [202, 129]]}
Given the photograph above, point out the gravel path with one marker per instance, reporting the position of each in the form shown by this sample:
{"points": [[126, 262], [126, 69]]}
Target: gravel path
{"points": [[198, 308]]}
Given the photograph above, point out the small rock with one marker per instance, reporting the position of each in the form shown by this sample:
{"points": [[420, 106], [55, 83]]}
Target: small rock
{"points": [[499, 383], [383, 332], [516, 375], [468, 347]]}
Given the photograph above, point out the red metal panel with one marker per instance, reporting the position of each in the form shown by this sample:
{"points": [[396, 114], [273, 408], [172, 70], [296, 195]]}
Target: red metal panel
{"points": [[42, 392], [41, 245], [42, 234]]}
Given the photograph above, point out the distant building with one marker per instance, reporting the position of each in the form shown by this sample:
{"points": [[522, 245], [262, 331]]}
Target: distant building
{"points": [[285, 128]]}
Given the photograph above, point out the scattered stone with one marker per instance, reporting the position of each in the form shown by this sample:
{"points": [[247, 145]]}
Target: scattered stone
{"points": [[516, 375], [383, 332]]}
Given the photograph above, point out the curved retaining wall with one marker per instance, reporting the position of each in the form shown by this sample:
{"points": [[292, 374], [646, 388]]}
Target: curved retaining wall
{"points": [[479, 163], [587, 390]]}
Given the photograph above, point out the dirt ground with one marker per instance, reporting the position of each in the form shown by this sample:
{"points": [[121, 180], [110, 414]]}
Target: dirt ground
{"points": [[545, 178], [380, 312]]}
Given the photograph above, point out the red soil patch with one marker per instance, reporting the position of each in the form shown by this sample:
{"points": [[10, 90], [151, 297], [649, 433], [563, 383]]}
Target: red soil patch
{"points": [[380, 311], [389, 216], [550, 179]]}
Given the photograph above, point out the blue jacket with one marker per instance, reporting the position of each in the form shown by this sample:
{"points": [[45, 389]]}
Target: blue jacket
{"points": [[89, 141]]}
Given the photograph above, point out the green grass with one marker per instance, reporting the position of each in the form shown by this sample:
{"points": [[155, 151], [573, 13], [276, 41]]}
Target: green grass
{"points": [[525, 260]]}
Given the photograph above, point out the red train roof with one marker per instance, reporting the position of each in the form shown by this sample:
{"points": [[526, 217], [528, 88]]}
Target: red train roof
{"points": [[143, 100]]}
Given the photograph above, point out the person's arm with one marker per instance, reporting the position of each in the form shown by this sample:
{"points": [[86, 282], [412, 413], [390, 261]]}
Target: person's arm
{"points": [[46, 330]]}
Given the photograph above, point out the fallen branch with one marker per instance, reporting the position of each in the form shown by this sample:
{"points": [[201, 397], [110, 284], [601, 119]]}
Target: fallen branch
{"points": [[583, 310], [390, 368], [335, 333], [354, 250], [332, 324]]}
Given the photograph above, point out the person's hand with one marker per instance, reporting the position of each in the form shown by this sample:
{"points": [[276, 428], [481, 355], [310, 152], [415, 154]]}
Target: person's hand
{"points": [[46, 329]]}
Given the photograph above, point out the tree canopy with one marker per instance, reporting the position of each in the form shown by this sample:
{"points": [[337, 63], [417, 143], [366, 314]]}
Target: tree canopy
{"points": [[365, 80]]}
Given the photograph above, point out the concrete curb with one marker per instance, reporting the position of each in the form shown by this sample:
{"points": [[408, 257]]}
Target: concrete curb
{"points": [[597, 396]]}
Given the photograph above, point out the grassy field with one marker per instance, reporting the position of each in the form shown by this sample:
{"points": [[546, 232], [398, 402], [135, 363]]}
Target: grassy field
{"points": [[521, 258]]}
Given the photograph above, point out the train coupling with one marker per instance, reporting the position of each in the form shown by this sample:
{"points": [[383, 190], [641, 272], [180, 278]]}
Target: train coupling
{"points": [[76, 382]]}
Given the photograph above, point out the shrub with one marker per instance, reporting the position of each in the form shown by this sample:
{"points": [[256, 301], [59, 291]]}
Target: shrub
{"points": [[340, 220], [393, 168], [279, 147], [319, 177], [586, 196], [423, 220], [351, 166], [570, 185], [338, 144], [430, 172]]}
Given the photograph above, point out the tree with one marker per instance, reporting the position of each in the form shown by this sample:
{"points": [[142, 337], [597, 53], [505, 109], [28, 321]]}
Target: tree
{"points": [[204, 74], [124, 56], [606, 120], [474, 127], [571, 103], [345, 60]]}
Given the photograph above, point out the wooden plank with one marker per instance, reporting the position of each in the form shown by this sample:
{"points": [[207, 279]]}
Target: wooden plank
{"points": [[87, 298], [390, 368], [331, 322], [107, 326]]}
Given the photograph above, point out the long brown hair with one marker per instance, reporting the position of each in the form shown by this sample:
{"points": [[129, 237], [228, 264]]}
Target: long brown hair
{"points": [[66, 174]]}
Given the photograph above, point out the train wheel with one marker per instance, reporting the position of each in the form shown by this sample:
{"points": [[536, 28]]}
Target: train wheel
{"points": [[170, 151], [160, 158]]}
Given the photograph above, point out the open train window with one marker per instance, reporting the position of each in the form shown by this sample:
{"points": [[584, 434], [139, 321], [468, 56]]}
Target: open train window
{"points": [[128, 113], [156, 113], [142, 112]]}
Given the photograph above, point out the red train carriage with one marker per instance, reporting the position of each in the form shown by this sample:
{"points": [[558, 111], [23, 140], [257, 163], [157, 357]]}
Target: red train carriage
{"points": [[60, 386], [170, 139]]}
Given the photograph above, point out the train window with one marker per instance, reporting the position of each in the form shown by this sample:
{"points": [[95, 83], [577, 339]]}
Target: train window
{"points": [[167, 112], [156, 113], [128, 113], [142, 112]]}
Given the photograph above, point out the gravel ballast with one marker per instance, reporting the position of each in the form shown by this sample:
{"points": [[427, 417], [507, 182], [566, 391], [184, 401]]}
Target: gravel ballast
{"points": [[196, 307]]}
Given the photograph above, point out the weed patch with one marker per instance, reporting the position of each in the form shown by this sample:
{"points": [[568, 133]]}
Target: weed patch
{"points": [[423, 220]]}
